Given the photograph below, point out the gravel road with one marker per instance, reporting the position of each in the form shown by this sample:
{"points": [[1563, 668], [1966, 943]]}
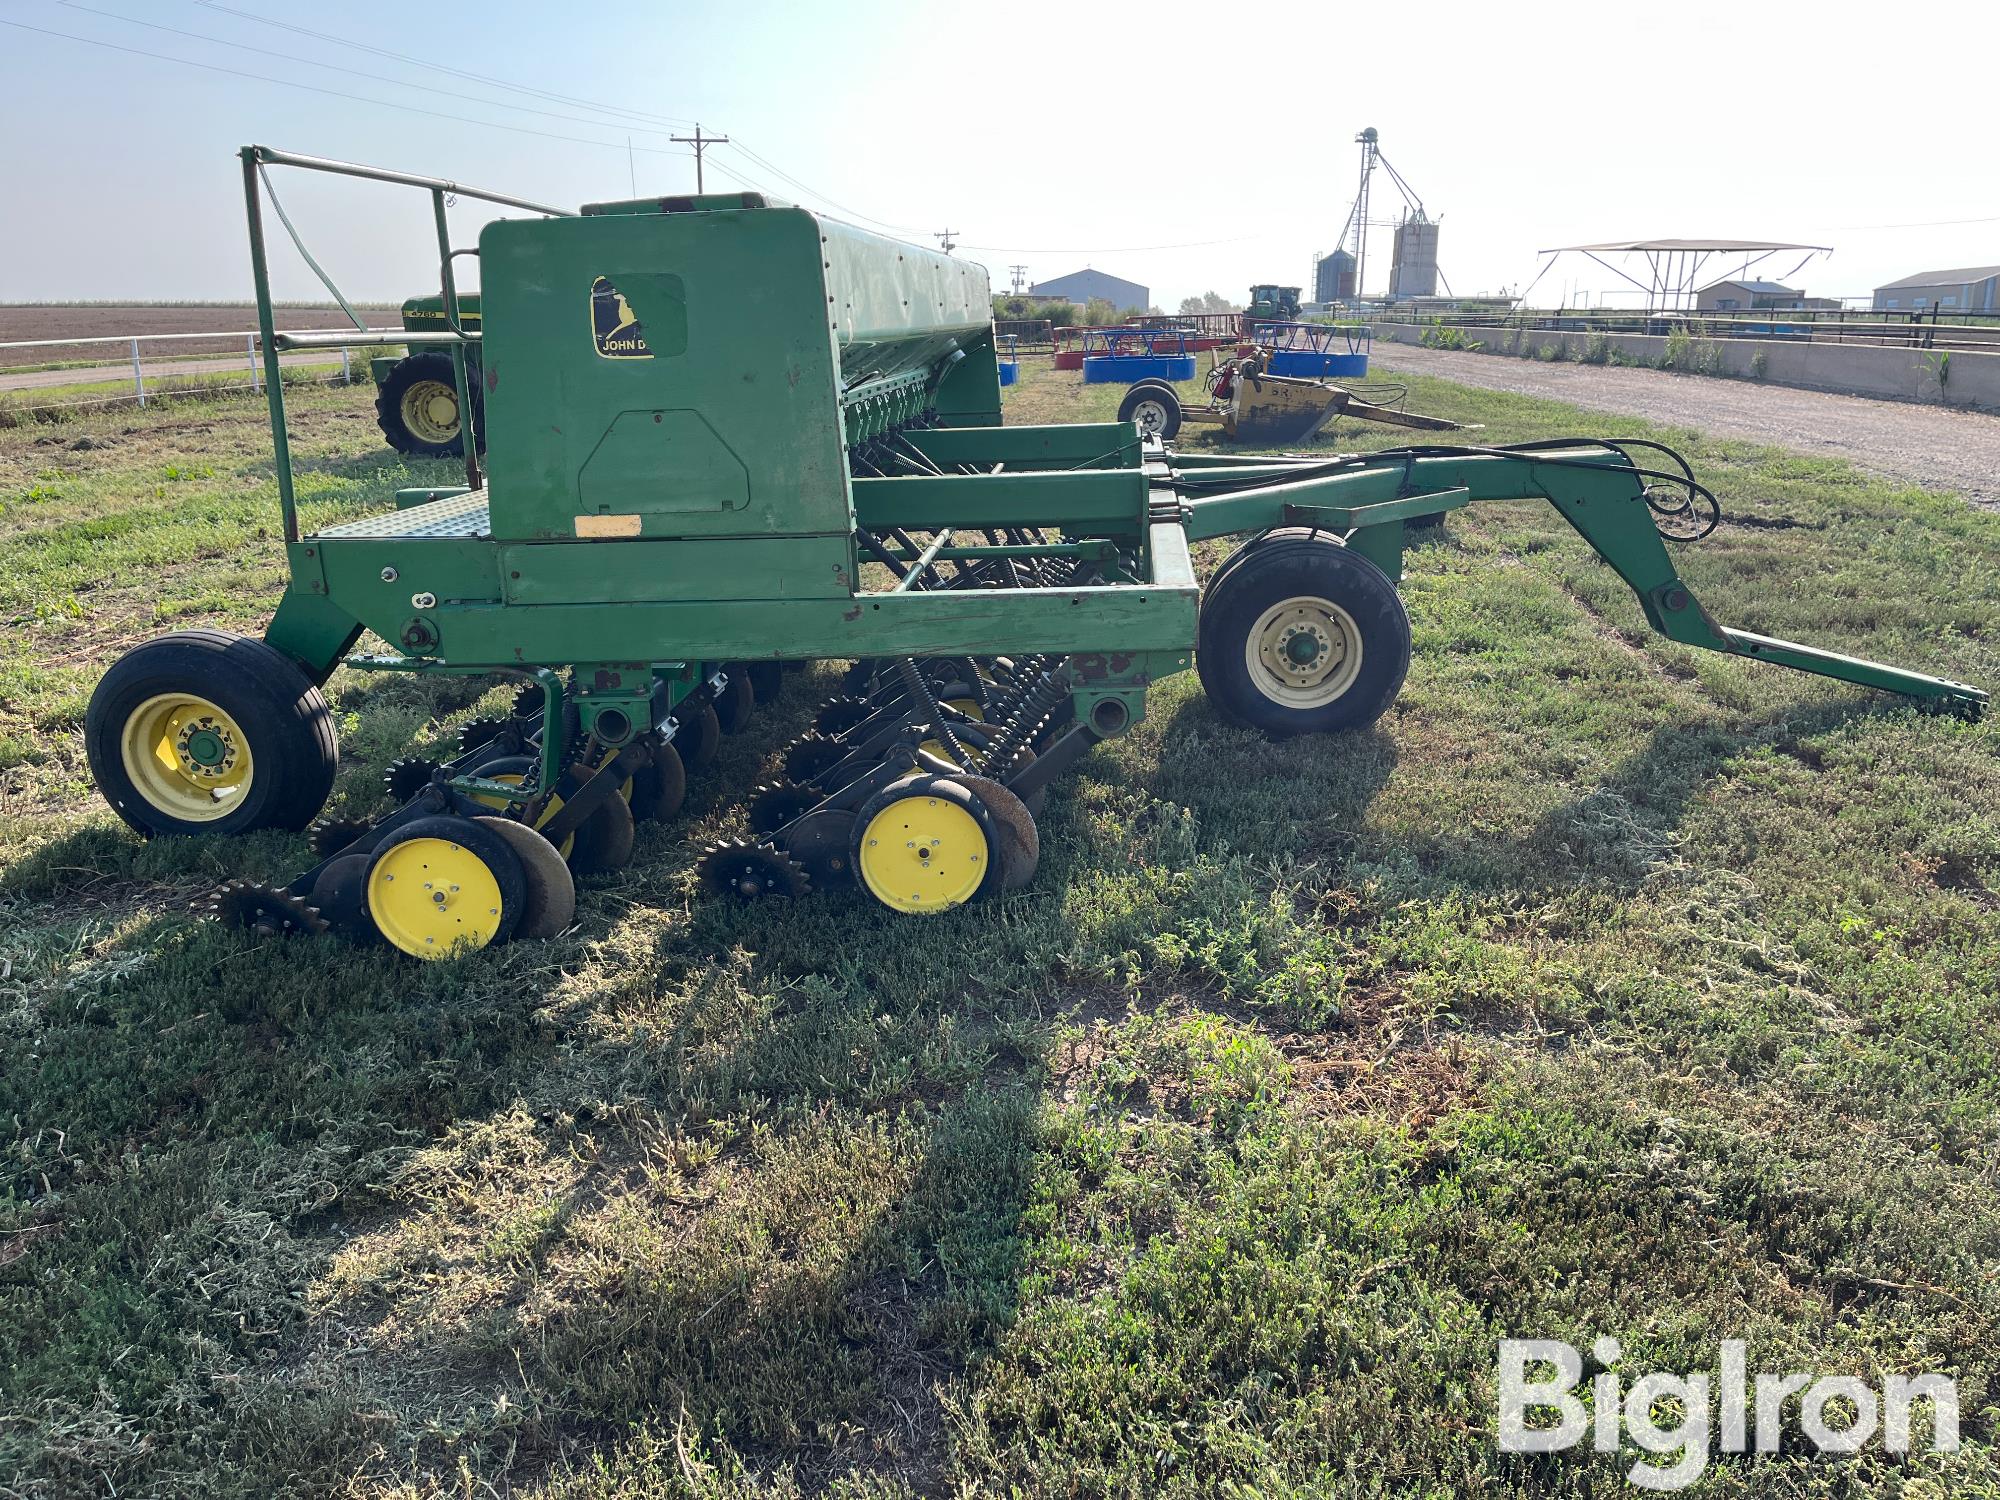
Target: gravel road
{"points": [[1928, 445]]}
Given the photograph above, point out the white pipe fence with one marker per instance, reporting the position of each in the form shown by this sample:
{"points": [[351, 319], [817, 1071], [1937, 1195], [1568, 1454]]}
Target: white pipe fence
{"points": [[132, 343]]}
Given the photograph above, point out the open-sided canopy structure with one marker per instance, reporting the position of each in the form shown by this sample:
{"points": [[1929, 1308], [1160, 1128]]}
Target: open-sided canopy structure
{"points": [[1675, 268]]}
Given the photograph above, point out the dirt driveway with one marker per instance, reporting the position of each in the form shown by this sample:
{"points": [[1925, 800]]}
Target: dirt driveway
{"points": [[1928, 445]]}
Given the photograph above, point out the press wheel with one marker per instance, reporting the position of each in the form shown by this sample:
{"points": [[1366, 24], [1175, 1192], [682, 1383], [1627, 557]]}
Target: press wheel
{"points": [[548, 902], [442, 886], [926, 844]]}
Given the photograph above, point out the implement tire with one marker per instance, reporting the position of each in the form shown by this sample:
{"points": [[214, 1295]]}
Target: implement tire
{"points": [[1300, 635], [206, 732], [1155, 406]]}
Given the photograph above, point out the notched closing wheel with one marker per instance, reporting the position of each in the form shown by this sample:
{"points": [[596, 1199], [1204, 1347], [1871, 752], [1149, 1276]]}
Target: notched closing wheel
{"points": [[1301, 635], [443, 886], [1155, 406], [205, 732]]}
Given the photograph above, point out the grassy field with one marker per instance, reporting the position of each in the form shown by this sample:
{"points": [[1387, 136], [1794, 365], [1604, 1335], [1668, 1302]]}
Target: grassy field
{"points": [[1603, 987]]}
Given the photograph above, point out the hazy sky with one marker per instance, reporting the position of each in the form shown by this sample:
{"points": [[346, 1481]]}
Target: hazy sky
{"points": [[1186, 147]]}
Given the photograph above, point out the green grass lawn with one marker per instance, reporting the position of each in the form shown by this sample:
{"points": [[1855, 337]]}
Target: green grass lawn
{"points": [[1602, 987]]}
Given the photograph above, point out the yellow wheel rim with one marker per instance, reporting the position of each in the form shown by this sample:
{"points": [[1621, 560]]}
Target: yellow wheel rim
{"points": [[967, 706], [432, 897], [187, 757], [549, 808], [923, 854], [430, 411]]}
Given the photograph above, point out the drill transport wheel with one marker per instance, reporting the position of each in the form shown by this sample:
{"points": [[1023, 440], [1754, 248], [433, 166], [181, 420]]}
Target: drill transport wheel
{"points": [[1301, 635], [767, 679], [1016, 839], [441, 886], [751, 872], [204, 732], [659, 789], [548, 901], [925, 845]]}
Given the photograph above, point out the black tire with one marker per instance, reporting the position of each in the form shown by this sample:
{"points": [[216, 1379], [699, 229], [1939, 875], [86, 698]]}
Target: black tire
{"points": [[402, 380], [284, 720], [605, 839], [697, 735], [1351, 605], [659, 790], [767, 680], [491, 850], [733, 705], [1155, 406]]}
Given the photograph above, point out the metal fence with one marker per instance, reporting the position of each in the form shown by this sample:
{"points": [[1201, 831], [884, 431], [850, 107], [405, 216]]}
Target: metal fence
{"points": [[130, 352], [1919, 330]]}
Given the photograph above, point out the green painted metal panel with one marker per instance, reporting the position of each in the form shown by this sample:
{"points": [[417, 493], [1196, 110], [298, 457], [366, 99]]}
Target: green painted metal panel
{"points": [[1086, 503], [944, 622], [1082, 445], [644, 571]]}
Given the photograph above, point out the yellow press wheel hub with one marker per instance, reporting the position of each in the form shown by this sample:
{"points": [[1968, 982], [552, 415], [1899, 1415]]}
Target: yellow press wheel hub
{"points": [[550, 808], [432, 897], [430, 411], [923, 854], [187, 757], [936, 746]]}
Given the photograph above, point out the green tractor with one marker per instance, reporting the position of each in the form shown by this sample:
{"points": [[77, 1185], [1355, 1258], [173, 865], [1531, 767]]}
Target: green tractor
{"points": [[416, 401], [1276, 304]]}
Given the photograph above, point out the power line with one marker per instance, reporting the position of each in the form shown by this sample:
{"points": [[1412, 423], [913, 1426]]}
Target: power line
{"points": [[202, 36], [944, 238], [432, 63], [813, 192], [313, 88]]}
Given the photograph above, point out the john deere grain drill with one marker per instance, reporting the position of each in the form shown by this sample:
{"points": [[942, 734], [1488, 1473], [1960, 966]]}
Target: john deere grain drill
{"points": [[725, 436]]}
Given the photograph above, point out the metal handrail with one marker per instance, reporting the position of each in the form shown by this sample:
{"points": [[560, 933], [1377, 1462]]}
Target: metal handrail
{"points": [[254, 159]]}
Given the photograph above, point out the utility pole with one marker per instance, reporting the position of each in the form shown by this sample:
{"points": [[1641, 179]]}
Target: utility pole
{"points": [[944, 236], [700, 143], [1020, 274]]}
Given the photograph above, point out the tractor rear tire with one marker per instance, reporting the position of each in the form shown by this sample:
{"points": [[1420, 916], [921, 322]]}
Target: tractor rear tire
{"points": [[1301, 635], [206, 732], [1155, 406], [410, 408]]}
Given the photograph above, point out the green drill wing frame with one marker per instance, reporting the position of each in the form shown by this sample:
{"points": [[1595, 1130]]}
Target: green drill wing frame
{"points": [[725, 434]]}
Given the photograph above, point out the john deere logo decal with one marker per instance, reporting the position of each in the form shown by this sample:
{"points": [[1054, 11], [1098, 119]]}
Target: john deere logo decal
{"points": [[616, 328]]}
